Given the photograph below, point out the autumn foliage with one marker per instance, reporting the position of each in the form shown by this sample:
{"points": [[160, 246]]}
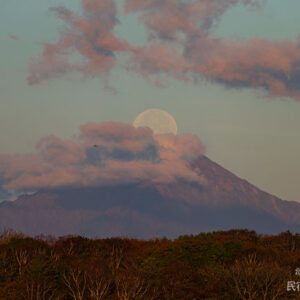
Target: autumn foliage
{"points": [[235, 264]]}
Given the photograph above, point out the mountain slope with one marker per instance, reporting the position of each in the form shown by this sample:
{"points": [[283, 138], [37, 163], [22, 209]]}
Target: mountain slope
{"points": [[148, 210]]}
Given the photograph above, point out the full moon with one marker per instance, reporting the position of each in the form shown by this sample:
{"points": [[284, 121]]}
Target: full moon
{"points": [[158, 120]]}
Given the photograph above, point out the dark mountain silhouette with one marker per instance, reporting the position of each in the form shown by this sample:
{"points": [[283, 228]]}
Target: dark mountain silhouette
{"points": [[148, 210]]}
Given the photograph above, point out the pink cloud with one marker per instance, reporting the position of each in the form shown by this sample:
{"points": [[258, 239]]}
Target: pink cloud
{"points": [[257, 63], [113, 135], [186, 147], [181, 45], [122, 154], [167, 18], [89, 36], [159, 59], [12, 36], [56, 151], [114, 131], [185, 48]]}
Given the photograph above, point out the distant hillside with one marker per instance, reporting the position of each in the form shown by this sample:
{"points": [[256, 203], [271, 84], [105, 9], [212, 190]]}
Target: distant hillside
{"points": [[148, 210]]}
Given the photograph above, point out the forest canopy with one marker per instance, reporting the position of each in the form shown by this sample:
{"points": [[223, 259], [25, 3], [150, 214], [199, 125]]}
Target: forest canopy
{"points": [[234, 264]]}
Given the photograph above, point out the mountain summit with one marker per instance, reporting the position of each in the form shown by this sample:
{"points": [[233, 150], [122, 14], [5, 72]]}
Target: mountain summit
{"points": [[146, 209]]}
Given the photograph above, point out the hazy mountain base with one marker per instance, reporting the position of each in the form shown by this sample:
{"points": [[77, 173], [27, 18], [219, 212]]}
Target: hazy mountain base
{"points": [[146, 210], [136, 216]]}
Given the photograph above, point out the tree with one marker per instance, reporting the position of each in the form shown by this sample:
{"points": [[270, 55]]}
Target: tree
{"points": [[132, 286], [254, 279], [99, 279], [75, 280], [39, 279]]}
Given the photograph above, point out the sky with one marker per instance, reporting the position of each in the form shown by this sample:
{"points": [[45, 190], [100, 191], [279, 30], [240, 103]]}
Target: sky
{"points": [[228, 74]]}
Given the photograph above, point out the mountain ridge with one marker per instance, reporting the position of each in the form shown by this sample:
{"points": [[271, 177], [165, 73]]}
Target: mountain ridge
{"points": [[146, 209]]}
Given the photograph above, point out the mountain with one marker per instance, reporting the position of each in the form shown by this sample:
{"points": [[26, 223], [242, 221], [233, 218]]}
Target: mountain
{"points": [[147, 210]]}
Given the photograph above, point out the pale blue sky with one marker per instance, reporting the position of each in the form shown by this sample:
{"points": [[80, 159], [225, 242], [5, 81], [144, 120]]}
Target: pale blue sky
{"points": [[254, 137]]}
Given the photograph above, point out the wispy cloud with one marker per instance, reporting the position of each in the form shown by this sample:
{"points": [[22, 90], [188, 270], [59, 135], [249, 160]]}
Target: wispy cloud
{"points": [[181, 45], [90, 35], [12, 36]]}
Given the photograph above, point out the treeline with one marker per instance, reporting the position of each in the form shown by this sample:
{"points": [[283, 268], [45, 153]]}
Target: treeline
{"points": [[235, 264]]}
